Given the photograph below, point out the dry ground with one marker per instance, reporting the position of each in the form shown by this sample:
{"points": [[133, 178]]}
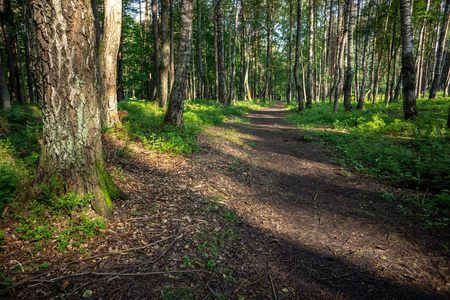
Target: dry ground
{"points": [[258, 213]]}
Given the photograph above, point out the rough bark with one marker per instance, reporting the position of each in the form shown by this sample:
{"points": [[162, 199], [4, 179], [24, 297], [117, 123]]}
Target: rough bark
{"points": [[439, 53], [362, 90], [164, 66], [120, 91], [408, 68], [98, 29], [61, 39], [174, 114], [112, 25], [221, 54], [309, 74], [349, 69], [298, 49], [5, 100]]}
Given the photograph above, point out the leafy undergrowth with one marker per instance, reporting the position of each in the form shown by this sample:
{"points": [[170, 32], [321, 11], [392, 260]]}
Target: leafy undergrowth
{"points": [[145, 123], [414, 153]]}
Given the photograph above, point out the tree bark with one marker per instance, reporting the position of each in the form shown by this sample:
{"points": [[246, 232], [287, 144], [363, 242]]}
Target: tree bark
{"points": [[61, 39], [289, 87], [221, 54], [233, 57], [309, 74], [120, 91], [108, 61], [156, 81], [172, 48], [349, 69], [165, 54], [203, 78], [174, 114], [440, 46], [362, 90], [408, 68], [5, 100], [298, 50]]}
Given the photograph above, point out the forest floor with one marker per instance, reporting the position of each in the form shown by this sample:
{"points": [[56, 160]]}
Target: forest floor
{"points": [[258, 213]]}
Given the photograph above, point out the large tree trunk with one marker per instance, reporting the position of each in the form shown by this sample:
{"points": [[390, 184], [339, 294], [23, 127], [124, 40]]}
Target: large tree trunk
{"points": [[362, 90], [174, 114], [349, 69], [309, 74], [298, 50], [165, 54], [408, 68], [440, 46], [72, 147], [108, 61], [5, 100], [221, 54]]}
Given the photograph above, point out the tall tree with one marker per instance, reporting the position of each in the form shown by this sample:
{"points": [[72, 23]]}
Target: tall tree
{"points": [[72, 147], [233, 57], [5, 100], [349, 69], [408, 68], [203, 78], [289, 87], [165, 54], [268, 75], [110, 43], [156, 53], [309, 74], [221, 53], [362, 91], [298, 51], [439, 53], [174, 114]]}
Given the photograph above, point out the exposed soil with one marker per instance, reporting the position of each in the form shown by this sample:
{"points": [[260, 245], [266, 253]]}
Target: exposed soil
{"points": [[258, 213]]}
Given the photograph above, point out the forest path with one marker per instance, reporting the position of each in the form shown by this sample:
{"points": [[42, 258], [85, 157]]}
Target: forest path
{"points": [[258, 213], [345, 239]]}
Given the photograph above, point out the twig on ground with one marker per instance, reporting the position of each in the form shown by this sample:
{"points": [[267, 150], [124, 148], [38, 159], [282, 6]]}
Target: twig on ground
{"points": [[273, 288]]}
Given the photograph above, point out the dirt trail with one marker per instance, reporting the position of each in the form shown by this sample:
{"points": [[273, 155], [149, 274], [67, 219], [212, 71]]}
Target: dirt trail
{"points": [[258, 213]]}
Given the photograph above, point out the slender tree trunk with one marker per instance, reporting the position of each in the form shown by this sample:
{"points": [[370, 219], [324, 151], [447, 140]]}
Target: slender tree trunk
{"points": [[221, 54], [269, 50], [357, 46], [72, 146], [5, 100], [174, 114], [233, 57], [141, 34], [362, 91], [108, 62], [289, 87], [156, 81], [165, 55], [349, 69], [30, 83], [309, 79], [408, 68], [298, 50], [420, 52], [339, 68], [172, 48], [120, 91], [204, 79], [441, 43]]}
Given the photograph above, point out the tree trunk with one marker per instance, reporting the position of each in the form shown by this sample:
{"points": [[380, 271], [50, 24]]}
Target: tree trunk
{"points": [[72, 146], [408, 68], [108, 62], [362, 90], [298, 51], [440, 46], [174, 114], [156, 80], [165, 54], [233, 57], [349, 69], [120, 91], [172, 48], [309, 79], [221, 54], [339, 68], [5, 100], [98, 29], [216, 53], [420, 52], [29, 76], [204, 79], [289, 87]]}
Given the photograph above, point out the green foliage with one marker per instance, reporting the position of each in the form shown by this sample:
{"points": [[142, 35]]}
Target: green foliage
{"points": [[379, 141], [145, 122]]}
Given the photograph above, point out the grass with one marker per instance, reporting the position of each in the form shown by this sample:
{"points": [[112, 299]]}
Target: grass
{"points": [[413, 153], [145, 123]]}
